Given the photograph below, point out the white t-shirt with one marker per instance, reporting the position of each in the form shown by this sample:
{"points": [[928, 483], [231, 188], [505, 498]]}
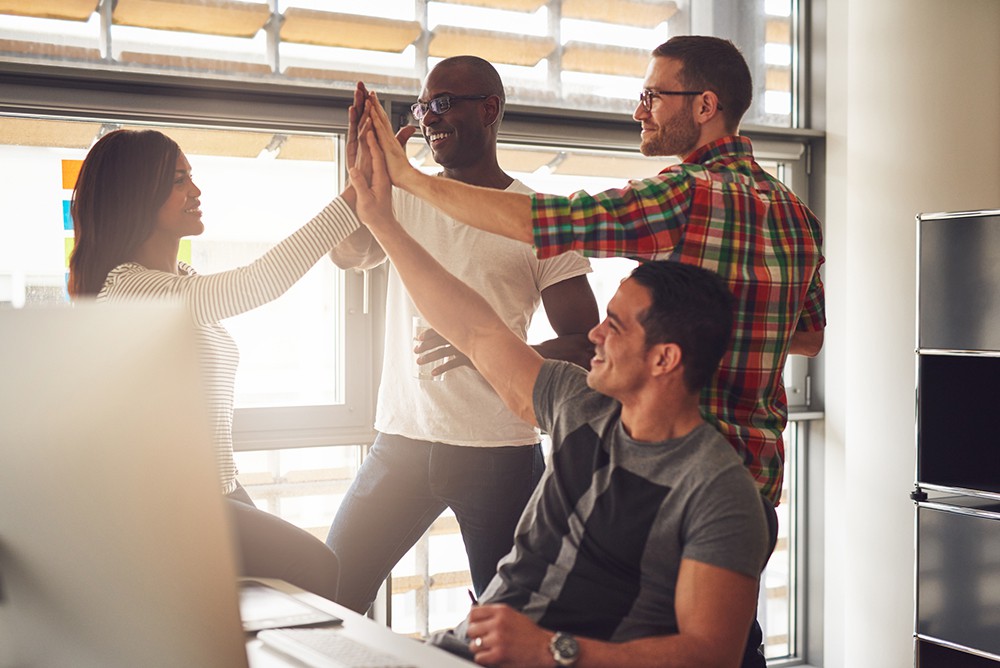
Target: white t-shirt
{"points": [[462, 409]]}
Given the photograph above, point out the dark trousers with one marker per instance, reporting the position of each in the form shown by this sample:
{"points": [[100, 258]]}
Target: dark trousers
{"points": [[269, 547], [402, 487]]}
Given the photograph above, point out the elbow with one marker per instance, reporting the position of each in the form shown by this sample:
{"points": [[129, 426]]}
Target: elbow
{"points": [[807, 344], [341, 261]]}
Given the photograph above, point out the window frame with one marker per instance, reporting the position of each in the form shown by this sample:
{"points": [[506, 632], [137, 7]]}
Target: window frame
{"points": [[67, 93]]}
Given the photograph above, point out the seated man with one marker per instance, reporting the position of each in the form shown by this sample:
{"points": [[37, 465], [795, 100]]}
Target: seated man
{"points": [[644, 541]]}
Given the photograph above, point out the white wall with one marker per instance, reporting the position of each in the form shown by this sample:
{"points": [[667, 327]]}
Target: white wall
{"points": [[913, 114]]}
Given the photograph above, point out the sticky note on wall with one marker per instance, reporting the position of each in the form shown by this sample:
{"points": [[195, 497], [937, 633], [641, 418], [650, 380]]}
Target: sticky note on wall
{"points": [[184, 252], [70, 173]]}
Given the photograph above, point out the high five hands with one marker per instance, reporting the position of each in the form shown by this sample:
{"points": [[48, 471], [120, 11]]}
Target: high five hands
{"points": [[360, 125], [369, 162], [374, 119]]}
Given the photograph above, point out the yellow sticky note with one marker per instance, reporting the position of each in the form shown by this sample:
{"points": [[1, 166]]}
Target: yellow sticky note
{"points": [[184, 251], [69, 243]]}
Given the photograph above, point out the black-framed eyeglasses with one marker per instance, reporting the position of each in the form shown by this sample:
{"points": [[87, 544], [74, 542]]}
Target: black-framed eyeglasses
{"points": [[440, 105], [647, 95]]}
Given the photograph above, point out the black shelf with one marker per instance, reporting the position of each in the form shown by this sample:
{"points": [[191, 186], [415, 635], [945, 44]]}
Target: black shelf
{"points": [[958, 421]]}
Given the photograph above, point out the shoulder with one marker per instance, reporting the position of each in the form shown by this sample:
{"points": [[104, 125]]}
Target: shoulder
{"points": [[679, 177], [119, 278], [724, 518], [131, 279], [562, 396], [558, 268], [561, 376], [127, 268], [124, 270], [712, 455]]}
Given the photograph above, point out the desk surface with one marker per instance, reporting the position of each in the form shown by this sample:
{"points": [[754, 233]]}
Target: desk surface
{"points": [[357, 627]]}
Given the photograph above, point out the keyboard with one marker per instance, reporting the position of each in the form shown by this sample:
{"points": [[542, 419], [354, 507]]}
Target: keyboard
{"points": [[328, 648]]}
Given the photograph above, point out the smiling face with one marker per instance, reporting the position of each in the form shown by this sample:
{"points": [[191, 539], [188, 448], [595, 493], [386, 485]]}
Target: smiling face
{"points": [[463, 135], [180, 214], [620, 365], [669, 127]]}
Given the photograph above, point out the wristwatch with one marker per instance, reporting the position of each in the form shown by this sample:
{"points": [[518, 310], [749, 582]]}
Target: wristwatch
{"points": [[564, 648]]}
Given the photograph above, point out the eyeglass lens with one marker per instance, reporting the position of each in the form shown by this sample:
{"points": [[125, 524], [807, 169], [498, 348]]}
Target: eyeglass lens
{"points": [[438, 105]]}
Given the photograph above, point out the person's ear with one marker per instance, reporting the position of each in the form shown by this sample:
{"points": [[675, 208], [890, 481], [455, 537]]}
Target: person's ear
{"points": [[491, 110], [666, 358], [707, 106]]}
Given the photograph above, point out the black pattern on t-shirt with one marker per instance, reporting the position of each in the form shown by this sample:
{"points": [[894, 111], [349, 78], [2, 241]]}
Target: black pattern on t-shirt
{"points": [[608, 558]]}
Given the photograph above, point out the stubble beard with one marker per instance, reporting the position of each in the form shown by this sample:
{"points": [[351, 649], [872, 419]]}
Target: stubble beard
{"points": [[679, 136]]}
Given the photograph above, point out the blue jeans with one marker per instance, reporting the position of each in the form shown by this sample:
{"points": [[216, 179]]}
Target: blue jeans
{"points": [[402, 487]]}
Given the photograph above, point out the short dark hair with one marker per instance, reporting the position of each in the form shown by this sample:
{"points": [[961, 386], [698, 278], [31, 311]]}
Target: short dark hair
{"points": [[691, 307], [125, 179], [715, 64]]}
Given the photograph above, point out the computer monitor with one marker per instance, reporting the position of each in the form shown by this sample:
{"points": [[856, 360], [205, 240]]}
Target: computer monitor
{"points": [[114, 549]]}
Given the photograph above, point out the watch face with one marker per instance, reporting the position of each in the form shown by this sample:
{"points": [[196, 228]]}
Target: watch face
{"points": [[564, 649]]}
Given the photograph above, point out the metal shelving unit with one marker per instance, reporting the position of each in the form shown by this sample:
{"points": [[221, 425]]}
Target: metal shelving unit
{"points": [[957, 490]]}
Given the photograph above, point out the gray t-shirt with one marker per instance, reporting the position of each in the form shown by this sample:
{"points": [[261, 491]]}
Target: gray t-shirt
{"points": [[598, 548]]}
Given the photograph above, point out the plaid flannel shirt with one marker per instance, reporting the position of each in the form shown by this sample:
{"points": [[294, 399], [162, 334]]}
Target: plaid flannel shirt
{"points": [[719, 210]]}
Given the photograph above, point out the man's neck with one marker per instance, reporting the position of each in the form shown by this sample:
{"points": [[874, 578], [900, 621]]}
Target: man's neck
{"points": [[708, 136], [488, 175], [653, 419]]}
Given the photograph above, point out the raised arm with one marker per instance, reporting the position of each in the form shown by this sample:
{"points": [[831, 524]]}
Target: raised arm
{"points": [[456, 311], [214, 297], [359, 250], [497, 211]]}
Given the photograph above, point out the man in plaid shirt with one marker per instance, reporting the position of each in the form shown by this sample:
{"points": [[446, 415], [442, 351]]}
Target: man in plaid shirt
{"points": [[718, 209]]}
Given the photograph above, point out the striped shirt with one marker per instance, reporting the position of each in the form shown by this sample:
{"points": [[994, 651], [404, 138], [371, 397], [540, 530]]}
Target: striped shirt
{"points": [[719, 210], [214, 297]]}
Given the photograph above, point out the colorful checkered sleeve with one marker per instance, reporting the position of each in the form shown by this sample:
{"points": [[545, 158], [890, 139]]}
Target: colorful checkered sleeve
{"points": [[643, 220]]}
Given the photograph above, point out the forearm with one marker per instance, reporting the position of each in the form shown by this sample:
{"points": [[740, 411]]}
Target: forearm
{"points": [[360, 250], [806, 343], [674, 651], [214, 297], [498, 211], [572, 311], [714, 608]]}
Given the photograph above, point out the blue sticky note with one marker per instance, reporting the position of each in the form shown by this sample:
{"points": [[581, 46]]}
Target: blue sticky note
{"points": [[67, 216]]}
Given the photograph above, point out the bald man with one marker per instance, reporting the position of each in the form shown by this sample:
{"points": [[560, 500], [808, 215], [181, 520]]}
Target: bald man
{"points": [[452, 442]]}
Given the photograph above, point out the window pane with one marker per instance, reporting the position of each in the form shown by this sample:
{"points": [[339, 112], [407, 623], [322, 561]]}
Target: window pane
{"points": [[305, 486], [776, 609], [288, 350], [292, 350], [576, 54]]}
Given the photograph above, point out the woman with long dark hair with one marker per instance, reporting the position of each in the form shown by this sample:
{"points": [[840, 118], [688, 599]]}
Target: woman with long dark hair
{"points": [[133, 203]]}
